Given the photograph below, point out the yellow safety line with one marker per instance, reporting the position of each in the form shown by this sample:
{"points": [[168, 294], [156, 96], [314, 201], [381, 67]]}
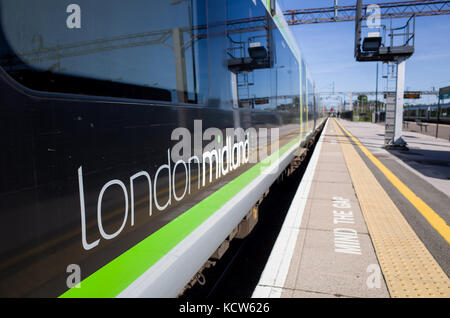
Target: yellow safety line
{"points": [[431, 216], [408, 267]]}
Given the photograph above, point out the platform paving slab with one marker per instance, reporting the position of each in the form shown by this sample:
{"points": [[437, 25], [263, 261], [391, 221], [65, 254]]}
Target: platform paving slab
{"points": [[318, 267]]}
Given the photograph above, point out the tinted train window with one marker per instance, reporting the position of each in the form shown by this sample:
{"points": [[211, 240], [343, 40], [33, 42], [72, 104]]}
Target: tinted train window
{"points": [[146, 49]]}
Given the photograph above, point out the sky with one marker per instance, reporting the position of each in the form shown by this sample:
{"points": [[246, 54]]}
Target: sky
{"points": [[328, 49]]}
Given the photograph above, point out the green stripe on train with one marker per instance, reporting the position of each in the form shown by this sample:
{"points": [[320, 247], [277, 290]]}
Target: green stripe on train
{"points": [[110, 280]]}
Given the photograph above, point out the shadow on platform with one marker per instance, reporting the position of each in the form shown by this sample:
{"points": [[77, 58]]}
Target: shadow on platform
{"points": [[431, 163]]}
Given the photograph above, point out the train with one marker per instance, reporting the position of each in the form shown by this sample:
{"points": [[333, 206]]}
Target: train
{"points": [[428, 113], [137, 136]]}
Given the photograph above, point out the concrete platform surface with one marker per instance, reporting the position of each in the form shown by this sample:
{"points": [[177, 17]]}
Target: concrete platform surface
{"points": [[350, 230], [425, 169], [324, 249], [443, 130], [428, 157]]}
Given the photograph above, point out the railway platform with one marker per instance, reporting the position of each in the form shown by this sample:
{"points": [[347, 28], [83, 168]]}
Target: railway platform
{"points": [[365, 221], [426, 128]]}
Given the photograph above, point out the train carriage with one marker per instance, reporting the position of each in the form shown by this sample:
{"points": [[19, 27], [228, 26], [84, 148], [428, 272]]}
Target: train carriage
{"points": [[132, 137], [428, 113]]}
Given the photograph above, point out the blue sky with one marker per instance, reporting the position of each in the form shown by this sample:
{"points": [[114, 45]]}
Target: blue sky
{"points": [[328, 49]]}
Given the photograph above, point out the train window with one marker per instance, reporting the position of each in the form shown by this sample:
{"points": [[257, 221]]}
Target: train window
{"points": [[422, 112], [144, 49], [270, 80], [433, 112]]}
